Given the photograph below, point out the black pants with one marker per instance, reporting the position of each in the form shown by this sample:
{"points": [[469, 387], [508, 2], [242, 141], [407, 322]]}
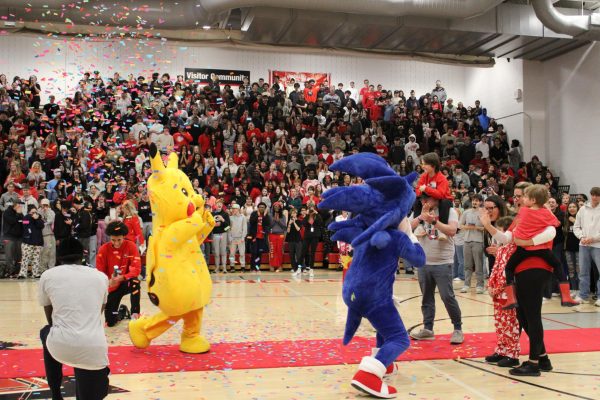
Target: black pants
{"points": [[530, 286], [295, 249], [443, 209], [258, 247], [309, 248], [521, 254], [130, 286], [89, 384]]}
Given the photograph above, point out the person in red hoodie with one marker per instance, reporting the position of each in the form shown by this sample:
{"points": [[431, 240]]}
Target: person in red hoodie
{"points": [[534, 219], [434, 184], [132, 221], [182, 138], [120, 261]]}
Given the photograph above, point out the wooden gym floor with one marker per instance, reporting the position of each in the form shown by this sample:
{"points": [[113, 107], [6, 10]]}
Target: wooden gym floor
{"points": [[255, 308]]}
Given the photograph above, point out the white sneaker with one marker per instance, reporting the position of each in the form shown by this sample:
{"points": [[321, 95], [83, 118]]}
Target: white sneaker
{"points": [[423, 334], [479, 290], [597, 303], [579, 300], [464, 289], [311, 274], [457, 279]]}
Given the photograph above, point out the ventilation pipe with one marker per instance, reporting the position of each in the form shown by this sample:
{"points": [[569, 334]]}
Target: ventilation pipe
{"points": [[585, 27], [397, 8]]}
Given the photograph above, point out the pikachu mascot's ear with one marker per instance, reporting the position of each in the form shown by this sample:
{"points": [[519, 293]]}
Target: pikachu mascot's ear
{"points": [[155, 161], [173, 161]]}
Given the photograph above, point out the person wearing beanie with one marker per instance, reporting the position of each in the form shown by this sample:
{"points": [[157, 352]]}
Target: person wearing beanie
{"points": [[73, 297], [258, 230], [48, 256], [12, 233], [120, 261], [33, 243], [237, 236]]}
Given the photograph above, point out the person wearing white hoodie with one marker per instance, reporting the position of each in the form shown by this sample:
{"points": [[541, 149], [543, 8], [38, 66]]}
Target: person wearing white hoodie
{"points": [[410, 148], [587, 230]]}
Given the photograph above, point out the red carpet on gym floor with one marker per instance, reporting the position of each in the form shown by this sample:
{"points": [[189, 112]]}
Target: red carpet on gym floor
{"points": [[291, 353]]}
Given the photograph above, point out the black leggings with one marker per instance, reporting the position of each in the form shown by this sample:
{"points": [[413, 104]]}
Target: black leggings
{"points": [[309, 248], [443, 209], [89, 384], [130, 286], [530, 286], [521, 254]]}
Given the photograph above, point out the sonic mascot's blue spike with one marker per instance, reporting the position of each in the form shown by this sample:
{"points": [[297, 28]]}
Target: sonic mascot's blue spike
{"points": [[379, 208]]}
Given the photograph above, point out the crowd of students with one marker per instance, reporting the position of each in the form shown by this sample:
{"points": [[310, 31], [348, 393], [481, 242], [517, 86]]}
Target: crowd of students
{"points": [[259, 154]]}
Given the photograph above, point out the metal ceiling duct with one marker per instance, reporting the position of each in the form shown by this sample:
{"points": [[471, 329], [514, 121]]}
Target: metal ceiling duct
{"points": [[579, 26], [398, 8]]}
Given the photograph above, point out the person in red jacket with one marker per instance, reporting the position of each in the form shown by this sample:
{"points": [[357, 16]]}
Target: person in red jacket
{"points": [[121, 193], [433, 183], [120, 261], [182, 138], [132, 221]]}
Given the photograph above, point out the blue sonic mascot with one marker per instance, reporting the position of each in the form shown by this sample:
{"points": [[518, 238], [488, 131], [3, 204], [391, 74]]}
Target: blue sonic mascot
{"points": [[380, 234]]}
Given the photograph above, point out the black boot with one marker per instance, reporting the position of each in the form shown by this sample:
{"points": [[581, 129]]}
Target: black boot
{"points": [[545, 364], [526, 369], [508, 362], [494, 358]]}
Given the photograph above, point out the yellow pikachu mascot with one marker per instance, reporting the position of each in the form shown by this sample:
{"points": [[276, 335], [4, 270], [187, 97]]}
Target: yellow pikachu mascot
{"points": [[179, 283]]}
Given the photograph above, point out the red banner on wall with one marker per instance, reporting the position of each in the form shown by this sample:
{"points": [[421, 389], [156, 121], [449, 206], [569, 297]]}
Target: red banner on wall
{"points": [[300, 77]]}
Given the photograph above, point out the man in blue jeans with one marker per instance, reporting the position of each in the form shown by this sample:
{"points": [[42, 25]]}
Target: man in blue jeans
{"points": [[587, 230], [74, 297], [437, 272]]}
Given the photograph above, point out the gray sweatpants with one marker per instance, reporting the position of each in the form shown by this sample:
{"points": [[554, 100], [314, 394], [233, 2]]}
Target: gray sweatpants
{"points": [[431, 276], [48, 256], [473, 253], [219, 242], [238, 245]]}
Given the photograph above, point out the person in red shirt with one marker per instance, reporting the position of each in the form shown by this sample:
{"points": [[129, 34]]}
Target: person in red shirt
{"points": [[96, 154], [131, 220], [240, 155], [311, 92], [253, 131], [182, 138], [381, 148], [363, 92], [434, 184], [534, 219], [268, 133], [120, 261], [258, 230]]}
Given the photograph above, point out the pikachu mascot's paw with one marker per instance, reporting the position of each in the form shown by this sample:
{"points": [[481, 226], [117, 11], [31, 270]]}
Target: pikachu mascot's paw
{"points": [[194, 344], [137, 333]]}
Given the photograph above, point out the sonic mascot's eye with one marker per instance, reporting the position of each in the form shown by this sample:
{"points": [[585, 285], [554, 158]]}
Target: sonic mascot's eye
{"points": [[185, 193]]}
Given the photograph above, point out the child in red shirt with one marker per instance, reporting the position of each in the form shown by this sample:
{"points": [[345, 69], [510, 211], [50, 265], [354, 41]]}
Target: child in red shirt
{"points": [[533, 218], [434, 184]]}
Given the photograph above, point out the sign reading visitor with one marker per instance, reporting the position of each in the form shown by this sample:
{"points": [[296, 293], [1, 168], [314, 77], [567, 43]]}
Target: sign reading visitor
{"points": [[226, 76]]}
